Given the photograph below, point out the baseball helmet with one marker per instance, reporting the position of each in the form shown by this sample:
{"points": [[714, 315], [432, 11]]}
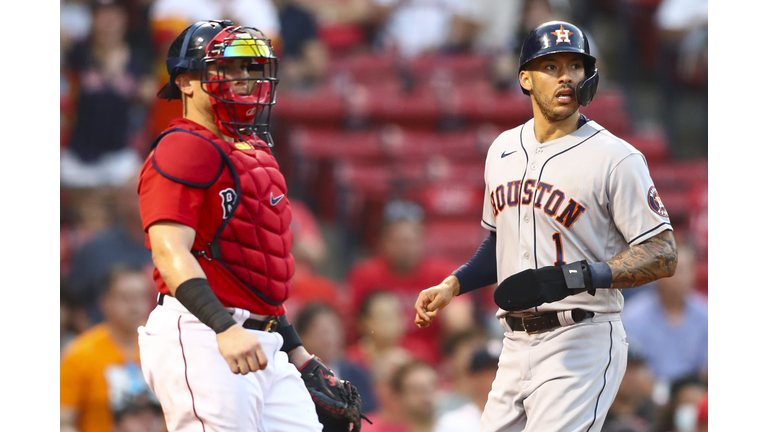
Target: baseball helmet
{"points": [[560, 36], [205, 48]]}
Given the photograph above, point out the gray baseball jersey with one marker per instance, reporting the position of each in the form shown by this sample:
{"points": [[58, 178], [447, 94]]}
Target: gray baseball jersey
{"points": [[588, 195]]}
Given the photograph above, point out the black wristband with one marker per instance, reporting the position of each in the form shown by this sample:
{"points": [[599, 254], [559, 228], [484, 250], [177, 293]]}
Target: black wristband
{"points": [[197, 296], [291, 339]]}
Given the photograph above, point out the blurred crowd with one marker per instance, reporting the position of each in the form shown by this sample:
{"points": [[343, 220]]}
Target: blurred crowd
{"points": [[353, 298]]}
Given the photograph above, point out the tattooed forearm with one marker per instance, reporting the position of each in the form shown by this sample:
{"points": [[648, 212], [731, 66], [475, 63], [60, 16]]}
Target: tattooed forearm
{"points": [[653, 259]]}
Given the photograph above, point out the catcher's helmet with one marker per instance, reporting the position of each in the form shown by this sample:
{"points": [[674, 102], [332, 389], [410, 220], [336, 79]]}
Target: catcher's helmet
{"points": [[213, 43], [560, 36]]}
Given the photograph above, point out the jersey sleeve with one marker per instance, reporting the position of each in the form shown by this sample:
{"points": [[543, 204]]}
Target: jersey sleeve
{"points": [[174, 177], [636, 206]]}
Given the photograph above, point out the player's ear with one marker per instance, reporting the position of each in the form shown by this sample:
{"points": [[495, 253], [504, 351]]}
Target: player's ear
{"points": [[185, 84], [525, 80]]}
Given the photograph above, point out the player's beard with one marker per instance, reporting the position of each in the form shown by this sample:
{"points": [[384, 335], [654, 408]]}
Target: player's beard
{"points": [[551, 110]]}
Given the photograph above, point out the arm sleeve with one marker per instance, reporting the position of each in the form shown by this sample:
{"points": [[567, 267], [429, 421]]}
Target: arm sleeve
{"points": [[480, 270]]}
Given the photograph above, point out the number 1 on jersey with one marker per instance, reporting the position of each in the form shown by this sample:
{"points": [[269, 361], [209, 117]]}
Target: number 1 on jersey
{"points": [[558, 249]]}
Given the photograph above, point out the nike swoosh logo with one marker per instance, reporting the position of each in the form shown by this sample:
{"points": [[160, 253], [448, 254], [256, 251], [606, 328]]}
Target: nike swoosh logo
{"points": [[274, 200], [505, 154]]}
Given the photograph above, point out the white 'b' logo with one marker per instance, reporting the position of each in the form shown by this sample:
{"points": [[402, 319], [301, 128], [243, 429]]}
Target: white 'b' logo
{"points": [[228, 196]]}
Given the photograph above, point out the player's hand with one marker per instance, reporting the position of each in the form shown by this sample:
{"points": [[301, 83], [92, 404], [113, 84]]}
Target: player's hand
{"points": [[432, 300], [242, 350]]}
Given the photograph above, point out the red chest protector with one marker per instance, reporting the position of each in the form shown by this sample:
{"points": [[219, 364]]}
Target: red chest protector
{"points": [[245, 220]]}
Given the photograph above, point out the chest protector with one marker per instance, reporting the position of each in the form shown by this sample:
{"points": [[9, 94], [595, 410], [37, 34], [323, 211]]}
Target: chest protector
{"points": [[253, 241]]}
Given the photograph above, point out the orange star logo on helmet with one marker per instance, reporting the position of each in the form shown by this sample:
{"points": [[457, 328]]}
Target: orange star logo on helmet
{"points": [[562, 35]]}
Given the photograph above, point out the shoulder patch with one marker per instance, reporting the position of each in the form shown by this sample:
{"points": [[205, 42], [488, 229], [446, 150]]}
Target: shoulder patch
{"points": [[188, 158], [654, 201]]}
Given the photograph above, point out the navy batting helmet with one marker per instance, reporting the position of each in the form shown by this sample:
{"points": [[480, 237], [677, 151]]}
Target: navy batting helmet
{"points": [[560, 36]]}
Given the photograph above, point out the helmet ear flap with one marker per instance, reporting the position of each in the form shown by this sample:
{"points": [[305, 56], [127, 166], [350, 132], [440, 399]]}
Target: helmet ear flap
{"points": [[586, 89]]}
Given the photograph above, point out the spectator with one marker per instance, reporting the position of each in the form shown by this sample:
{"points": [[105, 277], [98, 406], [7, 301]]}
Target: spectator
{"points": [[402, 267], [261, 14], [139, 414], [123, 242], [381, 326], [670, 323], [633, 409], [320, 329], [481, 372], [412, 28], [387, 417], [100, 368], [680, 413], [455, 376], [682, 70], [67, 310], [114, 85], [343, 25], [415, 385], [303, 56]]}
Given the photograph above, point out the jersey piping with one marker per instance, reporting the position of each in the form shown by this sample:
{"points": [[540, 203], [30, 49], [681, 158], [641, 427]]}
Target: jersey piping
{"points": [[605, 377], [538, 180]]}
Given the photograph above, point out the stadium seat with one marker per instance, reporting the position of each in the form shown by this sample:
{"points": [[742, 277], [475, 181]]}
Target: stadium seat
{"points": [[320, 143], [458, 68], [651, 143], [481, 104], [364, 68], [608, 110], [322, 106], [455, 239], [680, 175]]}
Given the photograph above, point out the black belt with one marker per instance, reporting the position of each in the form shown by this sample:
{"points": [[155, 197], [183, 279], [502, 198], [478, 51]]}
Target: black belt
{"points": [[270, 324], [533, 324]]}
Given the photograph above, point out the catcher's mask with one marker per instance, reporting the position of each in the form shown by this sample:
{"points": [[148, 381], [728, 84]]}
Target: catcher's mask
{"points": [[560, 36], [237, 69]]}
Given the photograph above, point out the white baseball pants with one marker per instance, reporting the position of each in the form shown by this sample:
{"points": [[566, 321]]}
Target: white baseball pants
{"points": [[181, 362], [562, 380]]}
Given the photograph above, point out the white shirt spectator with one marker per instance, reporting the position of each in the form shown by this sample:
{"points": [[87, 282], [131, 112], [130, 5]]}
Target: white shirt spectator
{"points": [[261, 14], [418, 26], [462, 419], [682, 14]]}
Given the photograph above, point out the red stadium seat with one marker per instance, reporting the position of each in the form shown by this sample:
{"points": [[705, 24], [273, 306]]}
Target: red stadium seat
{"points": [[364, 68], [679, 174], [457, 68], [652, 144], [321, 106], [455, 239], [332, 144], [481, 104], [607, 109]]}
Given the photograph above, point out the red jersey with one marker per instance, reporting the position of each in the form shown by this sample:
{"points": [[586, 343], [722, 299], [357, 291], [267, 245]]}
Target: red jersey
{"points": [[241, 222]]}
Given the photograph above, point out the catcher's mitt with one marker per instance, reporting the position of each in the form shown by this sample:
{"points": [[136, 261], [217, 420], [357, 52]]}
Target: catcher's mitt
{"points": [[337, 401]]}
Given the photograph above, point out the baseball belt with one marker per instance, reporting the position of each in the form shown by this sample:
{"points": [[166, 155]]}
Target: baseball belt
{"points": [[267, 324], [533, 324]]}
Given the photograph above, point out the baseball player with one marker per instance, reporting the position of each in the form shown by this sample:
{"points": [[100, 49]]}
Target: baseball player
{"points": [[573, 217], [218, 350]]}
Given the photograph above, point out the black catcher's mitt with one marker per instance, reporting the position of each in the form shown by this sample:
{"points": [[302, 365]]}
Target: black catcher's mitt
{"points": [[337, 401]]}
